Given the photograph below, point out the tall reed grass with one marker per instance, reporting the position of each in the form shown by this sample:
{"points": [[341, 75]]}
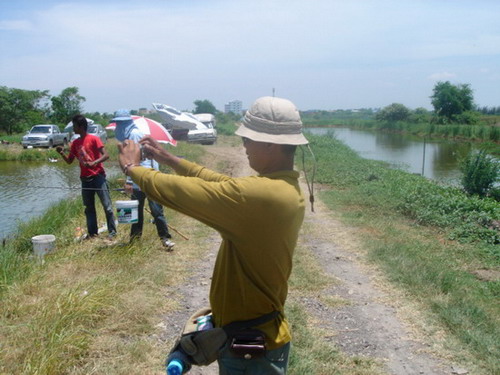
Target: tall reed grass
{"points": [[489, 133]]}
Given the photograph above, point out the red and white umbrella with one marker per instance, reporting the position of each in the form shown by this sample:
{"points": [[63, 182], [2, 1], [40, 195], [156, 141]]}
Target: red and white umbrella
{"points": [[151, 127]]}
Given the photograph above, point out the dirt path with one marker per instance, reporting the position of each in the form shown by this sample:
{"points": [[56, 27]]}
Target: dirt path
{"points": [[368, 325]]}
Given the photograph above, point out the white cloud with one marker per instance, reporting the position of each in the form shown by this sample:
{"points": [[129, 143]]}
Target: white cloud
{"points": [[326, 54], [442, 76]]}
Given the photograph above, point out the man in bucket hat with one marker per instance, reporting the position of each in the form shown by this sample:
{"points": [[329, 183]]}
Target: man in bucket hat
{"points": [[258, 217]]}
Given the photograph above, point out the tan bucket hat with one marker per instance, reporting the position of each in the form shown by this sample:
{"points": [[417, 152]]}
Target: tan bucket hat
{"points": [[273, 120]]}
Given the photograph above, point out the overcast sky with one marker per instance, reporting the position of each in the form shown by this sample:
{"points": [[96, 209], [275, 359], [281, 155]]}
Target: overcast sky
{"points": [[321, 54]]}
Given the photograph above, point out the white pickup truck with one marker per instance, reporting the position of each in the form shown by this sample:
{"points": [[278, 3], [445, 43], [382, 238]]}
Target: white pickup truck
{"points": [[45, 136]]}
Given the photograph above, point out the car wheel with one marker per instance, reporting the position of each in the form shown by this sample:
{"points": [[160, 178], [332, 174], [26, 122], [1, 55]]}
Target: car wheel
{"points": [[65, 142], [51, 144]]}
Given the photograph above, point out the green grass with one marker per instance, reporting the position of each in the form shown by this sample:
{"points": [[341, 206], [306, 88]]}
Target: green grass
{"points": [[16, 153], [88, 300], [429, 240], [15, 261], [13, 138]]}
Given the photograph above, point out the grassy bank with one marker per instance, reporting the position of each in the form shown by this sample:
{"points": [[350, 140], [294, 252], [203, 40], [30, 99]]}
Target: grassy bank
{"points": [[436, 244], [89, 307], [15, 152], [94, 308]]}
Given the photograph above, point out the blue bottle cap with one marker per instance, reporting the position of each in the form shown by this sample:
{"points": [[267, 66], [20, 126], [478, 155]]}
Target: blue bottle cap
{"points": [[175, 367]]}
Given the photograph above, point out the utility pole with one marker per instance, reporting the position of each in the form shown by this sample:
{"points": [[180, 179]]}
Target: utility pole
{"points": [[423, 161], [273, 92]]}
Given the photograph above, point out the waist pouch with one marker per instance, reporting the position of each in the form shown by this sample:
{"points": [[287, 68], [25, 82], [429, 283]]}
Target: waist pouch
{"points": [[248, 343], [202, 347]]}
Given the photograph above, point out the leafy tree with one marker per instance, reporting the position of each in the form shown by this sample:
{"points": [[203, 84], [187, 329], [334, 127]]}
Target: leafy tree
{"points": [[420, 114], [66, 105], [99, 118], [19, 109], [204, 106], [480, 172], [394, 112], [450, 101]]}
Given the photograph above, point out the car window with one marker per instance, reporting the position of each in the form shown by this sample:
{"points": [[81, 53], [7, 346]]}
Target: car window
{"points": [[41, 129]]}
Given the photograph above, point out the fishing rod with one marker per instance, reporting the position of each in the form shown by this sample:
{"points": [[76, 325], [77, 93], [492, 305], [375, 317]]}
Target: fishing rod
{"points": [[72, 188]]}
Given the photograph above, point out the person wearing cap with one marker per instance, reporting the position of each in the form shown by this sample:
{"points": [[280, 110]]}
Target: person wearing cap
{"points": [[258, 218], [126, 130]]}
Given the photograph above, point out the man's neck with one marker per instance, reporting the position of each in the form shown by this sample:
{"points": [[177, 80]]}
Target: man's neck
{"points": [[278, 166]]}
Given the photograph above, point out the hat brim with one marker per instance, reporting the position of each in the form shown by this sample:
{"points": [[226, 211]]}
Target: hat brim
{"points": [[122, 118], [280, 139]]}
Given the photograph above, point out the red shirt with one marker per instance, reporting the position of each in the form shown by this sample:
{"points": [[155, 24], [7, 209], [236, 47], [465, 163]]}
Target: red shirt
{"points": [[87, 149]]}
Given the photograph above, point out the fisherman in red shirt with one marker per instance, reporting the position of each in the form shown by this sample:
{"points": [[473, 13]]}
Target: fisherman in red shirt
{"points": [[90, 152]]}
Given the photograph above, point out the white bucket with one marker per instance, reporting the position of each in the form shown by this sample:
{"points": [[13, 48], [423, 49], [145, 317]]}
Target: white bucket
{"points": [[43, 244], [127, 212]]}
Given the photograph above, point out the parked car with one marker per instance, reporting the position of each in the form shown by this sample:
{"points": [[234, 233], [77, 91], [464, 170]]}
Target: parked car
{"points": [[199, 128], [94, 129], [47, 135], [206, 136]]}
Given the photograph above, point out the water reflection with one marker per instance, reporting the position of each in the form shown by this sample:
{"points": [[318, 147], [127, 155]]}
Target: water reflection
{"points": [[445, 159], [27, 189], [392, 141], [406, 152]]}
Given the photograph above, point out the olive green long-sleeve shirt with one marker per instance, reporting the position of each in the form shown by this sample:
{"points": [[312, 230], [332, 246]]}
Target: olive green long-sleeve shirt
{"points": [[258, 217]]}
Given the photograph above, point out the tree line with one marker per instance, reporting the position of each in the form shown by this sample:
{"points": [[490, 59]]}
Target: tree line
{"points": [[21, 109], [453, 104]]}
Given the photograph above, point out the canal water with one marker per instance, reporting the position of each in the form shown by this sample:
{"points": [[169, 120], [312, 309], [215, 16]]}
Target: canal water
{"points": [[27, 189], [438, 160]]}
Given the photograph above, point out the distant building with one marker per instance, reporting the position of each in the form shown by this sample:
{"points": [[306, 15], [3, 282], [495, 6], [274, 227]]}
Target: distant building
{"points": [[233, 106]]}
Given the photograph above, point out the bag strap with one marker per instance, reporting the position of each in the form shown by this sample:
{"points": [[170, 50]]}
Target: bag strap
{"points": [[235, 326]]}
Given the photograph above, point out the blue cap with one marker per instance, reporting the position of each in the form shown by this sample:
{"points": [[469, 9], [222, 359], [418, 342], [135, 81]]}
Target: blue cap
{"points": [[175, 367], [122, 115]]}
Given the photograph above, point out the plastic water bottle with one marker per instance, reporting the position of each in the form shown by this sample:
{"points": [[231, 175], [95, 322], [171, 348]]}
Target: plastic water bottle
{"points": [[175, 367], [204, 322], [178, 363]]}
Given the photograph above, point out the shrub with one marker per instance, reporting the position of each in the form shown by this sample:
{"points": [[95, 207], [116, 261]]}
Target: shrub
{"points": [[495, 133], [480, 172]]}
